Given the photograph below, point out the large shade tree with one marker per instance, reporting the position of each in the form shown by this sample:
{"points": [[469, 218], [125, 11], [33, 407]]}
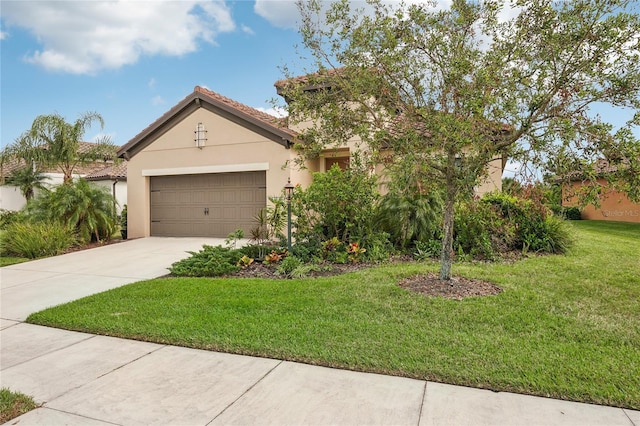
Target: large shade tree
{"points": [[54, 143], [440, 93]]}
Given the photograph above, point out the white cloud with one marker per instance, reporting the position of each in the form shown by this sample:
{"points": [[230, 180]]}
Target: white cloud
{"points": [[279, 13], [276, 112], [285, 14], [158, 100], [84, 37], [247, 30], [3, 35], [152, 83]]}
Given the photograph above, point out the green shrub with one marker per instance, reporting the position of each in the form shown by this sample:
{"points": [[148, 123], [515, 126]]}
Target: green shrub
{"points": [[307, 251], [409, 217], [232, 239], [555, 236], [88, 208], [338, 203], [270, 221], [427, 250], [7, 217], [123, 218], [304, 270], [211, 261], [499, 223], [569, 213], [474, 223], [379, 247], [288, 265], [256, 251], [572, 213], [33, 240]]}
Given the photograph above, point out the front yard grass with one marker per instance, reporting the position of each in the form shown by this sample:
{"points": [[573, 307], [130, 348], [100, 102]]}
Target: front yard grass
{"points": [[565, 326], [14, 404], [8, 260]]}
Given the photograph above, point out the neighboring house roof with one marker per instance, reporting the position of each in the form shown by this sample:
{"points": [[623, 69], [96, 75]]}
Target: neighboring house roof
{"points": [[602, 168], [314, 81], [113, 172], [12, 164], [272, 127]]}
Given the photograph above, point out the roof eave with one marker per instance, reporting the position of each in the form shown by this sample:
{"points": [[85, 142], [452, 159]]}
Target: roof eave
{"points": [[192, 102]]}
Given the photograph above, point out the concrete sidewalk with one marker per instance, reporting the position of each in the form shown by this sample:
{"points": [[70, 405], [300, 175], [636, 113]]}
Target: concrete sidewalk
{"points": [[82, 379]]}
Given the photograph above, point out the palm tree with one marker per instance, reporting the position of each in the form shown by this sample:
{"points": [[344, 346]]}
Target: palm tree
{"points": [[52, 142], [27, 179], [86, 207]]}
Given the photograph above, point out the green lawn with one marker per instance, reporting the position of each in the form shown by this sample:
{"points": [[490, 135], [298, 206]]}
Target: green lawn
{"points": [[14, 404], [565, 326], [6, 261]]}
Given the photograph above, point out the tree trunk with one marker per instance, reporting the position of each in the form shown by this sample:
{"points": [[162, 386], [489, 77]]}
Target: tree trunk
{"points": [[446, 258]]}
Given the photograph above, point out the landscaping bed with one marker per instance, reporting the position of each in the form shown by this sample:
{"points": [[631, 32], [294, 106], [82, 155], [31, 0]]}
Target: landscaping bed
{"points": [[428, 284]]}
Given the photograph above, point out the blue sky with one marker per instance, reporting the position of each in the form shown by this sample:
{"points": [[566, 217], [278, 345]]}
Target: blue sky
{"points": [[133, 61]]}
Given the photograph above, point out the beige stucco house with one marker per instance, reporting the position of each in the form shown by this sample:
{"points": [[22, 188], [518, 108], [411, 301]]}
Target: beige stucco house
{"points": [[207, 166]]}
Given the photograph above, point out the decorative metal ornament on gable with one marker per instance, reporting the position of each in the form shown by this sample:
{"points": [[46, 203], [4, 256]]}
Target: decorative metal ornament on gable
{"points": [[200, 135]]}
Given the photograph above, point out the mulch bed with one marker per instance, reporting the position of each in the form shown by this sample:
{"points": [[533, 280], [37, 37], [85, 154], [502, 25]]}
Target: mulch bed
{"points": [[429, 284], [260, 270], [456, 288]]}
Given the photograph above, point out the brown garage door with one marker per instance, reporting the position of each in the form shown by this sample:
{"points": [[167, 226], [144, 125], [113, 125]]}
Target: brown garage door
{"points": [[207, 205]]}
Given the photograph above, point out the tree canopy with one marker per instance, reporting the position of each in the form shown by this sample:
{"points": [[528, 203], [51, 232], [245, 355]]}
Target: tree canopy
{"points": [[440, 93], [53, 142]]}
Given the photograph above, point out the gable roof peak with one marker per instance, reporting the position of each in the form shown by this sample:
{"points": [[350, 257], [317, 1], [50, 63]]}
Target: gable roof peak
{"points": [[276, 128]]}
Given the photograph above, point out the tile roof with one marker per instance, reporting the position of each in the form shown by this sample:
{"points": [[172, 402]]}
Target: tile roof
{"points": [[275, 125], [112, 172], [601, 168], [269, 119], [13, 163], [305, 79], [10, 165]]}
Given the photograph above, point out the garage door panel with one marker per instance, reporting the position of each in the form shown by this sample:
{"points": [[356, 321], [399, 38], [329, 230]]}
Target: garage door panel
{"points": [[230, 213], [165, 212], [228, 197], [169, 197], [189, 213], [179, 203], [248, 212], [246, 196]]}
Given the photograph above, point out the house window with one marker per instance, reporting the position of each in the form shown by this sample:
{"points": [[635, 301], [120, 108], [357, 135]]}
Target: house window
{"points": [[342, 162]]}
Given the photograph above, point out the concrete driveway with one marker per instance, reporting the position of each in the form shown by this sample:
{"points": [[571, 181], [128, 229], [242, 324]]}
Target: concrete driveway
{"points": [[32, 286]]}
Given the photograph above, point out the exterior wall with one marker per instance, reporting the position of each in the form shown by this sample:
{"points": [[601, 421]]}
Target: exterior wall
{"points": [[229, 147], [11, 198], [493, 181], [120, 190], [614, 206]]}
